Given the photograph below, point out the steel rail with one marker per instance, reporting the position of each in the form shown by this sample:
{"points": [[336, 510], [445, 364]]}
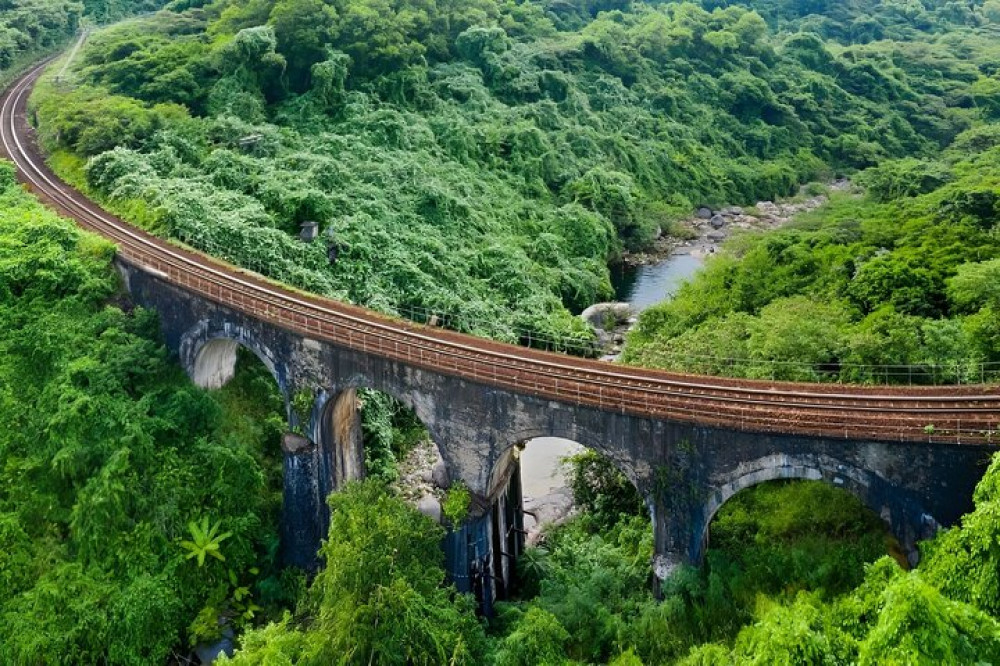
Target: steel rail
{"points": [[629, 389]]}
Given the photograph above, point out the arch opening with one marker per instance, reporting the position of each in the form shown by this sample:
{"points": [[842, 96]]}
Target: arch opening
{"points": [[782, 536], [253, 421], [561, 478], [366, 432], [901, 514], [564, 491], [215, 363]]}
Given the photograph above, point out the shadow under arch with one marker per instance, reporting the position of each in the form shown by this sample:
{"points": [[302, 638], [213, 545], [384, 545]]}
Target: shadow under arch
{"points": [[902, 513], [212, 363], [508, 497]]}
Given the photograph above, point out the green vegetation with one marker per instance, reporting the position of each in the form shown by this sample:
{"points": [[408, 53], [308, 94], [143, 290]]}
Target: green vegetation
{"points": [[906, 276], [95, 571], [485, 160], [786, 581], [390, 432], [796, 573], [29, 28], [131, 503], [479, 164], [381, 597]]}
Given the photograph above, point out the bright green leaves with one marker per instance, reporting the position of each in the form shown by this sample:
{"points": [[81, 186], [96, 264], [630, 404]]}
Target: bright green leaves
{"points": [[205, 541], [456, 504], [537, 639], [380, 599], [904, 278], [919, 625], [105, 450], [976, 285]]}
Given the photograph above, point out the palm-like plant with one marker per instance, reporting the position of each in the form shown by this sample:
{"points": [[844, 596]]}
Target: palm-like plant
{"points": [[205, 541]]}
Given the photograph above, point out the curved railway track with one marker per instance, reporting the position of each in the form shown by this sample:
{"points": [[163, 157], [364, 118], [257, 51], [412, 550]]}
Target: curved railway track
{"points": [[962, 415]]}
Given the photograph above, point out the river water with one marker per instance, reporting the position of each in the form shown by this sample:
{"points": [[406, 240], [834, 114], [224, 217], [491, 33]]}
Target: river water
{"points": [[542, 476]]}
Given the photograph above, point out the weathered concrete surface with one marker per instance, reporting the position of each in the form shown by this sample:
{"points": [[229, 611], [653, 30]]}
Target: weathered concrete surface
{"points": [[685, 472]]}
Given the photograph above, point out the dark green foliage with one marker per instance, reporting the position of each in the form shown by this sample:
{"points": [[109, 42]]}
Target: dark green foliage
{"points": [[31, 27], [484, 160], [795, 536], [108, 453], [786, 582], [776, 541], [381, 597], [602, 490], [390, 430], [862, 21]]}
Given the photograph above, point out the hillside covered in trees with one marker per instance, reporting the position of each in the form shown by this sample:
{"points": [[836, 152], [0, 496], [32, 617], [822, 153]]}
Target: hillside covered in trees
{"points": [[486, 160], [137, 511], [899, 286]]}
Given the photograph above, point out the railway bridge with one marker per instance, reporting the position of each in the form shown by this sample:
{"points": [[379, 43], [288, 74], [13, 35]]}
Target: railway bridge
{"points": [[688, 443]]}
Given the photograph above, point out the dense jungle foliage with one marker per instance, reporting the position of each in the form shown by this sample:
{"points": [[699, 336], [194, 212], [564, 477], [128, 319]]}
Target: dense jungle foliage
{"points": [[485, 160], [31, 28], [785, 583], [135, 509], [861, 290]]}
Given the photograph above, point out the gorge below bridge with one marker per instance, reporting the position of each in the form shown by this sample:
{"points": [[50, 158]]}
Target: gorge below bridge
{"points": [[688, 443]]}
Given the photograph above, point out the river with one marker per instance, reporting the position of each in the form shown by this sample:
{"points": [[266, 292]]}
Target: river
{"points": [[542, 476]]}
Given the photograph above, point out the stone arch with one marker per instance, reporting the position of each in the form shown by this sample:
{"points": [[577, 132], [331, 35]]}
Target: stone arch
{"points": [[421, 405], [209, 355], [901, 512], [327, 432], [507, 499], [620, 459]]}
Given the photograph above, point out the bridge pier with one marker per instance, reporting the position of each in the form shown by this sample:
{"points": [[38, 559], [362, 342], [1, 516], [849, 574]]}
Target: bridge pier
{"points": [[304, 516], [481, 555], [686, 470]]}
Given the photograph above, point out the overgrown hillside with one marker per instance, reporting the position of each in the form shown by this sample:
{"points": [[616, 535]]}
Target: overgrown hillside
{"points": [[898, 286], [110, 461], [483, 160]]}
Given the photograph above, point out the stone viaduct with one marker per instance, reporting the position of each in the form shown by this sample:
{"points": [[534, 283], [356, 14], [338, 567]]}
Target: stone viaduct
{"points": [[687, 443], [685, 471]]}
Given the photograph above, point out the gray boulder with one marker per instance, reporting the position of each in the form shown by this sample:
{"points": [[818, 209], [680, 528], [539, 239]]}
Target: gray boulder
{"points": [[717, 221], [439, 475], [716, 236], [704, 213], [430, 507], [601, 315]]}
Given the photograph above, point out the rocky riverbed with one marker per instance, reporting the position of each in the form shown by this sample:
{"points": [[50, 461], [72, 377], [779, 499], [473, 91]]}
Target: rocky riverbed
{"points": [[708, 228]]}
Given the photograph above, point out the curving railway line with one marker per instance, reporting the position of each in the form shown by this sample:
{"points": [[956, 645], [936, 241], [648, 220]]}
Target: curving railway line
{"points": [[953, 415]]}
